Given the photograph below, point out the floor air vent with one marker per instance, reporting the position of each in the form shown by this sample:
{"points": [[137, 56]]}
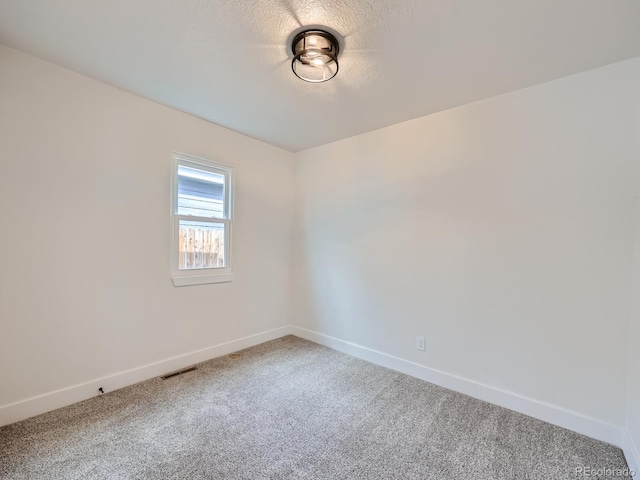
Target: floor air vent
{"points": [[179, 372]]}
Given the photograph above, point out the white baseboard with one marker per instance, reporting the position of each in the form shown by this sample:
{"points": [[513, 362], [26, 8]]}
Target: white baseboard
{"points": [[631, 452], [543, 411], [30, 407], [549, 413]]}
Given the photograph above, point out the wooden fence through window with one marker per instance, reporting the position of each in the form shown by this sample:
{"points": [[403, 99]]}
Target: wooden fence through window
{"points": [[200, 248]]}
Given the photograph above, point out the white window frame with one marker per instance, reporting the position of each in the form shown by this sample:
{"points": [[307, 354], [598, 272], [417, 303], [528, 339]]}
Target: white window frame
{"points": [[201, 276]]}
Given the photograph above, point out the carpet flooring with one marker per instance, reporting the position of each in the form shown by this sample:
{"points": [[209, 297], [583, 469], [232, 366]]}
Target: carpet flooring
{"points": [[291, 409]]}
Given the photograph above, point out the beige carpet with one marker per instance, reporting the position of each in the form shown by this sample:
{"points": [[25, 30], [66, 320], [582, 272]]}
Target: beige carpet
{"points": [[291, 409]]}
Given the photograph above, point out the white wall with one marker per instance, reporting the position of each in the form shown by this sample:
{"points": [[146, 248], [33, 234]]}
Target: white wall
{"points": [[85, 287], [632, 431], [502, 231], [632, 427]]}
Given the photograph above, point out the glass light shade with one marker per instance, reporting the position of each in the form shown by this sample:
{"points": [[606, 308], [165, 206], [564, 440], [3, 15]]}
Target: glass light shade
{"points": [[315, 56]]}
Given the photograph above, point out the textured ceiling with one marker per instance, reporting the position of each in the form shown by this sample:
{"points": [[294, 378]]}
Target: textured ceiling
{"points": [[228, 60]]}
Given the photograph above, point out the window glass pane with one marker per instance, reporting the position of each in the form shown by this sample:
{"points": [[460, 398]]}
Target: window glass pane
{"points": [[200, 245], [200, 193]]}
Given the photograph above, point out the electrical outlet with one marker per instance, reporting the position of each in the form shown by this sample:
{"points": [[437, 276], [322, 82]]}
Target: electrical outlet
{"points": [[420, 343]]}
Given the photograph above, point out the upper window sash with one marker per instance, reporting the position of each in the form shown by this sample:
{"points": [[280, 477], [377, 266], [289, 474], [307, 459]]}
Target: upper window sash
{"points": [[201, 190]]}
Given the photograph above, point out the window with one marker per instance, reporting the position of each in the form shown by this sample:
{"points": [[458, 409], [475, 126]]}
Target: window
{"points": [[201, 215]]}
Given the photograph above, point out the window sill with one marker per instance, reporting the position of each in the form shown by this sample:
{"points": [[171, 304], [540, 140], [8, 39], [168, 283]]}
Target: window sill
{"points": [[187, 280]]}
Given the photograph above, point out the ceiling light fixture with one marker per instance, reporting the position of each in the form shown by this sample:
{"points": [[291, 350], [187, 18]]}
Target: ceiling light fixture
{"points": [[315, 55]]}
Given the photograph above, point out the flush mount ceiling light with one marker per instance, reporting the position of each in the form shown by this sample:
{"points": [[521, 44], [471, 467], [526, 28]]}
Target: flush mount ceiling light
{"points": [[315, 55]]}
